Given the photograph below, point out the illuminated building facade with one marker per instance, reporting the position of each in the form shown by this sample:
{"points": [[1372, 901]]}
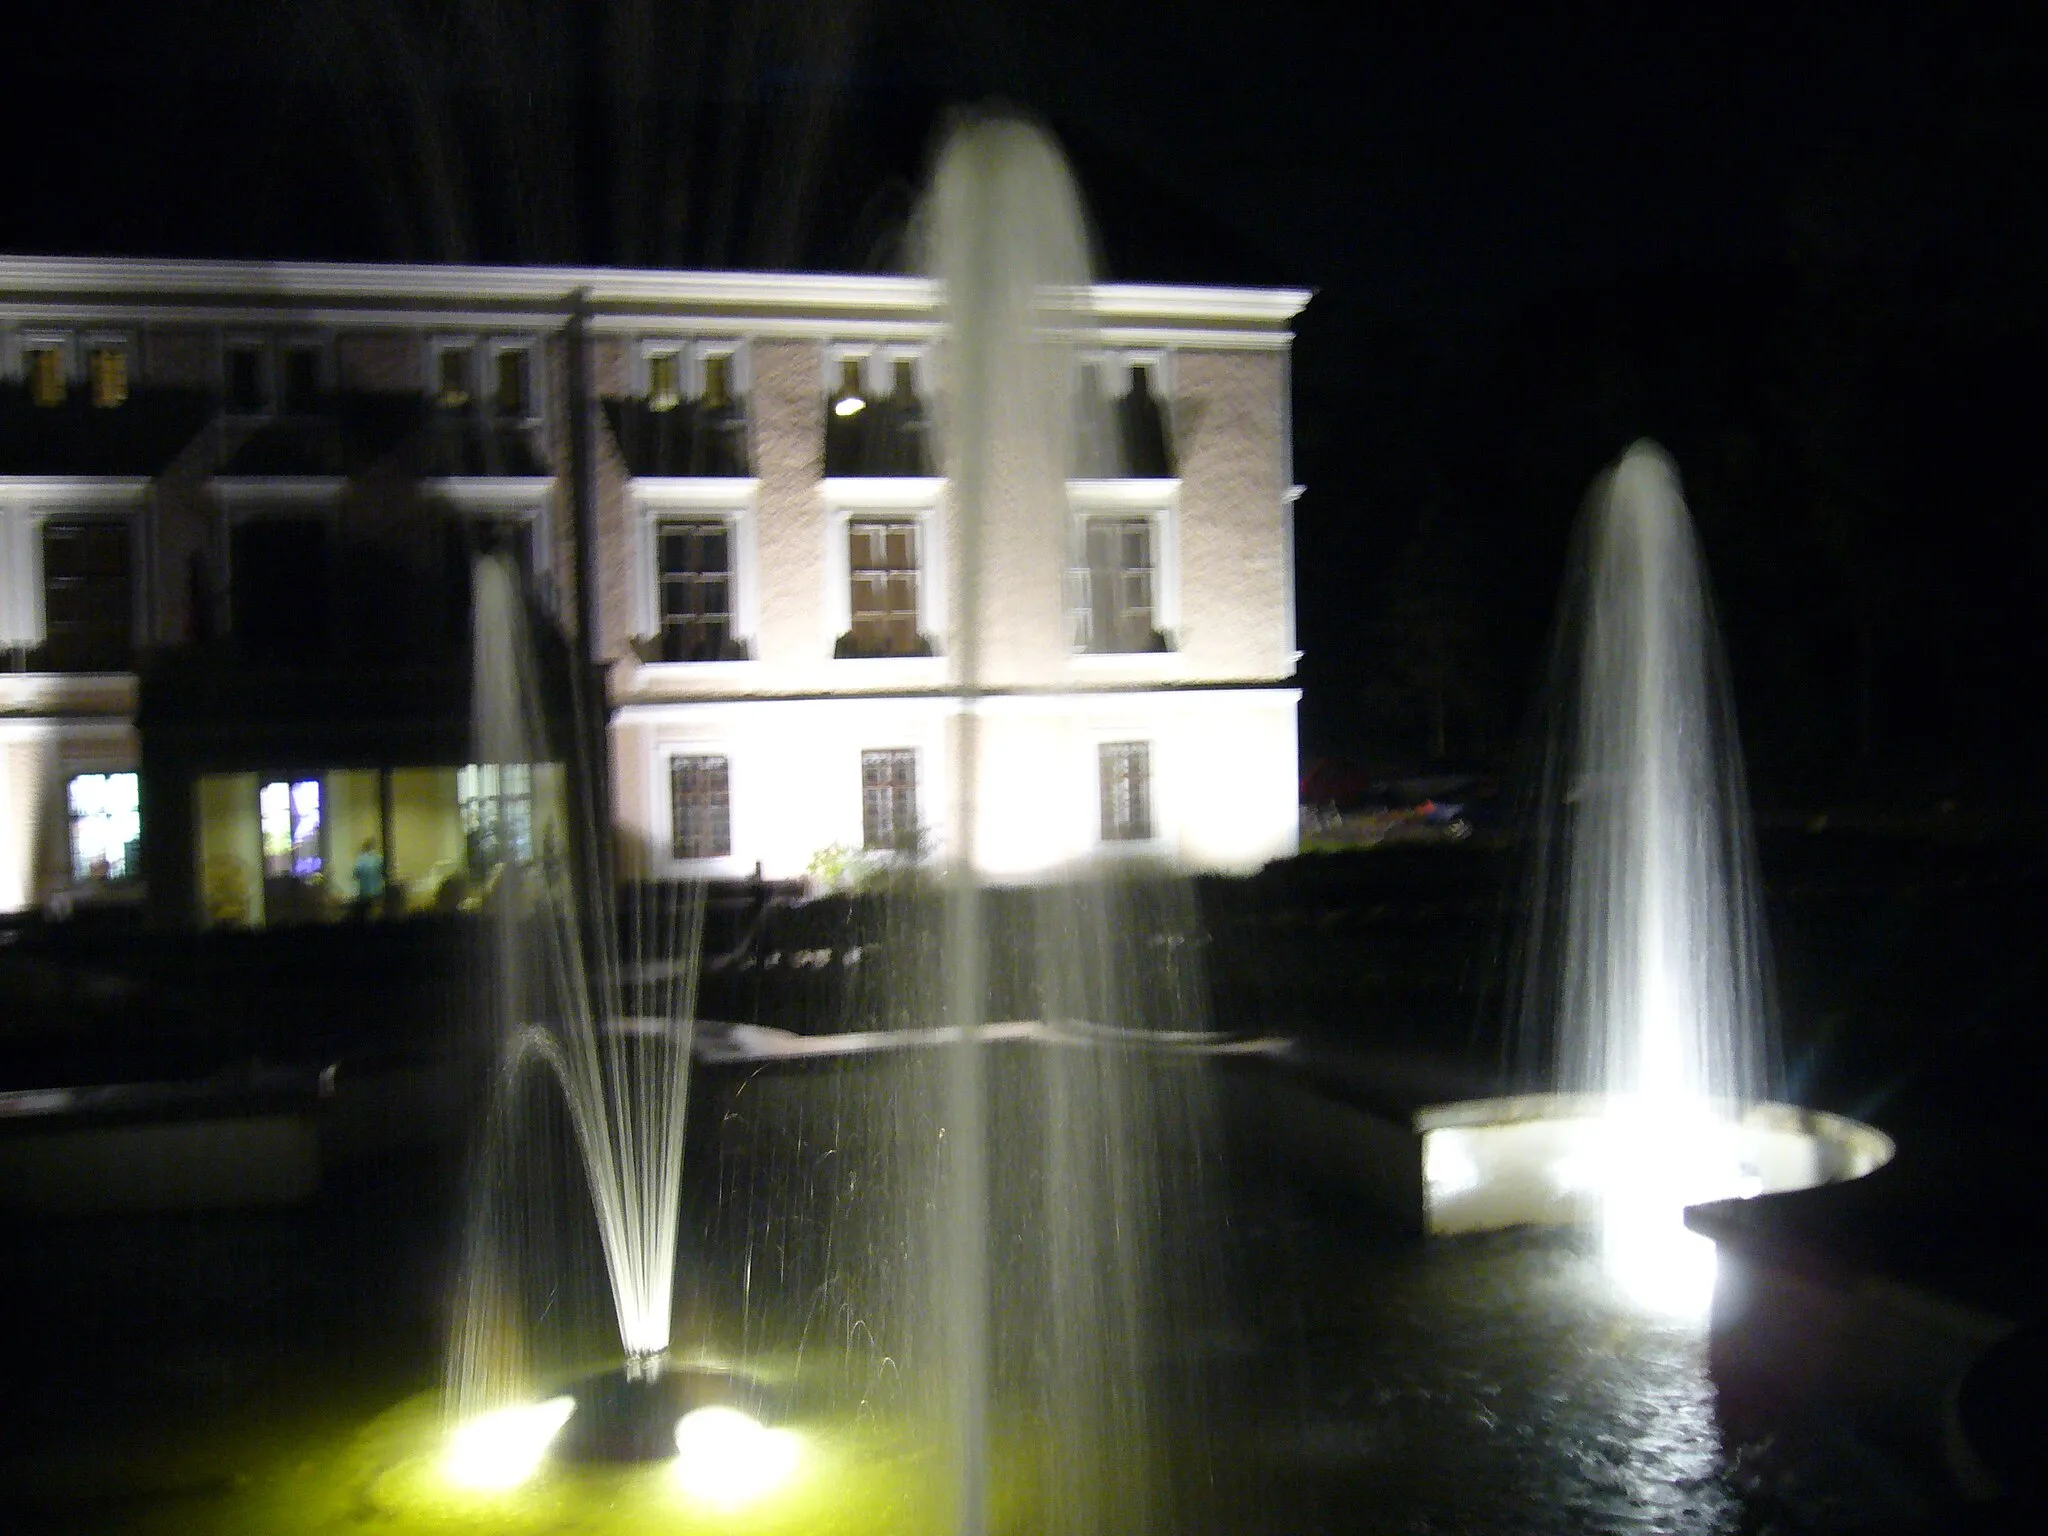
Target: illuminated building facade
{"points": [[238, 506]]}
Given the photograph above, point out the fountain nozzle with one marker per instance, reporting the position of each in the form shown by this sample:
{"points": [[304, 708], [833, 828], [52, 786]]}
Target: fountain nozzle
{"points": [[645, 1365]]}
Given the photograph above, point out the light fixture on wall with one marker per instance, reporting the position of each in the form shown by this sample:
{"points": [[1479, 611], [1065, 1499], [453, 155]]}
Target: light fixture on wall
{"points": [[849, 401]]}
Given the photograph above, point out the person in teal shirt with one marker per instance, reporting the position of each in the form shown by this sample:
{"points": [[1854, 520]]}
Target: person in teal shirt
{"points": [[369, 878]]}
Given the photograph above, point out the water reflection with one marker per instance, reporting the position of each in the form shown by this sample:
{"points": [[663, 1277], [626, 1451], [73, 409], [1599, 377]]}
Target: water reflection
{"points": [[1491, 1383]]}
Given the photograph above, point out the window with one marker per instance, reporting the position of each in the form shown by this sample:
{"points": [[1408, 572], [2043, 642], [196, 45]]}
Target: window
{"points": [[301, 377], [106, 826], [1114, 608], [717, 394], [888, 800], [497, 814], [882, 561], [1125, 771], [452, 374], [107, 368], [42, 362], [694, 564], [877, 422], [288, 812], [514, 381], [700, 802], [242, 378], [664, 380], [1121, 424], [88, 594]]}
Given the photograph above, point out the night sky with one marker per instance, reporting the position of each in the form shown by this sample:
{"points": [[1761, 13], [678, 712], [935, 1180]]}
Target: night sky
{"points": [[1800, 244]]}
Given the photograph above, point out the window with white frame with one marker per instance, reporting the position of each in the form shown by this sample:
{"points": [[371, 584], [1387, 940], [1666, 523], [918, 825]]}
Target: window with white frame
{"points": [[106, 826], [88, 595], [1115, 608], [1124, 776], [884, 579], [1121, 577], [888, 800], [700, 806], [694, 589]]}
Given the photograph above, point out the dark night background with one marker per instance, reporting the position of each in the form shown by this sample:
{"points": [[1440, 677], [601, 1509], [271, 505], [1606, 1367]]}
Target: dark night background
{"points": [[1799, 244]]}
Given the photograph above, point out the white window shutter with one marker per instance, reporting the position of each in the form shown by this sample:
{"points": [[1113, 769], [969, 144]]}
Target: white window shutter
{"points": [[21, 580]]}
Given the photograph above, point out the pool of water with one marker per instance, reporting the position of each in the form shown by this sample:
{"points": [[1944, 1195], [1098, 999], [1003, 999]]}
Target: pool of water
{"points": [[275, 1372]]}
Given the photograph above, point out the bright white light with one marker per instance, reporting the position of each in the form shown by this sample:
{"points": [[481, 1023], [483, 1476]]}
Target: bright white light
{"points": [[1662, 1157], [848, 405], [727, 1458], [1447, 1166], [503, 1448], [1655, 1259]]}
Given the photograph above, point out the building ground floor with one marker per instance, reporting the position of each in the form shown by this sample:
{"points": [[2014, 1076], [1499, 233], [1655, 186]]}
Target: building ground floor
{"points": [[255, 835], [1201, 777]]}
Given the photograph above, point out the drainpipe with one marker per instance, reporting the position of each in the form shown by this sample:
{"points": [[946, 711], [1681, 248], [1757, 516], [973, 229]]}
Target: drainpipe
{"points": [[587, 671]]}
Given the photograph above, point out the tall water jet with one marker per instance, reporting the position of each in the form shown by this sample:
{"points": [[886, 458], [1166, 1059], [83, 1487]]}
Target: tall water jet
{"points": [[1645, 960], [587, 1059]]}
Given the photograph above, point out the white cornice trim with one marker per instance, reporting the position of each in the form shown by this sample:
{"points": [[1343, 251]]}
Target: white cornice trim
{"points": [[488, 490], [691, 491], [1122, 492], [25, 278], [75, 490], [882, 492]]}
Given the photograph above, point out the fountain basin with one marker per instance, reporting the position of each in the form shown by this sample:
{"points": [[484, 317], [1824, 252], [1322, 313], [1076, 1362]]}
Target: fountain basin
{"points": [[1540, 1159]]}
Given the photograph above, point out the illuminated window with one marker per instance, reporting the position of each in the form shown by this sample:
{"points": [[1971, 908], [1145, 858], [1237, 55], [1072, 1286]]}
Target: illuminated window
{"points": [[717, 395], [888, 800], [694, 564], [106, 826], [497, 813], [882, 562], [514, 382], [88, 596], [246, 388], [43, 363], [107, 367], [301, 377], [288, 812], [664, 380], [1114, 587], [452, 373], [1125, 771], [700, 800]]}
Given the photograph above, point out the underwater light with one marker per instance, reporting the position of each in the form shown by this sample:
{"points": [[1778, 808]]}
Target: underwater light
{"points": [[1658, 1262], [728, 1458], [503, 1448], [1447, 1165]]}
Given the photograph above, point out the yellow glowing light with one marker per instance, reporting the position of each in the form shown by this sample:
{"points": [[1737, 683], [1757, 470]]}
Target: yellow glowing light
{"points": [[849, 405], [503, 1448], [727, 1458]]}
